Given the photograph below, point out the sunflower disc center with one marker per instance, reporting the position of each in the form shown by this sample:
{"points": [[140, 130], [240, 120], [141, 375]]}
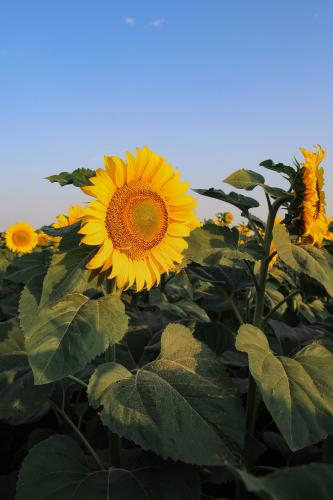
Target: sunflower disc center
{"points": [[136, 219], [20, 238]]}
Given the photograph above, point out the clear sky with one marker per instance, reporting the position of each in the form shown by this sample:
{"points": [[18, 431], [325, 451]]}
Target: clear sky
{"points": [[213, 85]]}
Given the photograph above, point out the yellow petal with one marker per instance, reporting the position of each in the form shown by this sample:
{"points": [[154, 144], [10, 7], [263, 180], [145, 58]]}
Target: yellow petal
{"points": [[102, 195], [154, 269], [139, 274], [178, 229], [103, 254], [95, 238], [92, 227], [130, 169]]}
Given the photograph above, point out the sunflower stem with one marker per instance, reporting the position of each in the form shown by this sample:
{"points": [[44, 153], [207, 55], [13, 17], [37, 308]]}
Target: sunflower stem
{"points": [[77, 381], [113, 440], [77, 431], [253, 397], [279, 304]]}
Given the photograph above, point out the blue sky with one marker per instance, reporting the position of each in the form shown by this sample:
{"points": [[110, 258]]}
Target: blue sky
{"points": [[213, 85]]}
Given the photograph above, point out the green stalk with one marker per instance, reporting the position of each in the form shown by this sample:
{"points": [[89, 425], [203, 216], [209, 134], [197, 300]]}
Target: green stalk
{"points": [[77, 380], [252, 399], [113, 439], [77, 431], [279, 304]]}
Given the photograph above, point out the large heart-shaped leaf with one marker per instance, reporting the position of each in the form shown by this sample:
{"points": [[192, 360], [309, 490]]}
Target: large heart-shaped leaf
{"points": [[297, 391], [318, 264], [20, 400], [64, 337], [183, 405], [58, 469]]}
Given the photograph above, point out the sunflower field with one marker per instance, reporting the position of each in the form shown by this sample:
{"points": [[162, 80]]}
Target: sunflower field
{"points": [[148, 355]]}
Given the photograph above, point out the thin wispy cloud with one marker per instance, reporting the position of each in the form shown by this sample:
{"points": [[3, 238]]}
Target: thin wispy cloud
{"points": [[130, 21], [157, 23]]}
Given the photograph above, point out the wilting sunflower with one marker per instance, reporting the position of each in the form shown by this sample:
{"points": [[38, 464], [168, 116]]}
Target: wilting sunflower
{"points": [[21, 238], [139, 218], [312, 208]]}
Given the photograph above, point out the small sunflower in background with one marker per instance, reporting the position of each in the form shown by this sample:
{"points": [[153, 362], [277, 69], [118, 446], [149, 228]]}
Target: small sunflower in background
{"points": [[74, 214], [223, 219], [244, 232], [21, 238], [228, 217], [43, 239], [307, 214], [139, 219]]}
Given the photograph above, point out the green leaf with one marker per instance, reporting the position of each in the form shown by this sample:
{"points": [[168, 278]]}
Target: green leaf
{"points": [[211, 244], [79, 177], [184, 393], [6, 257], [63, 178], [238, 200], [58, 469], [64, 337], [61, 231], [245, 179], [275, 192], [29, 301], [67, 274], [8, 486], [290, 338], [304, 482], [297, 391], [23, 268], [20, 400], [278, 167], [314, 262]]}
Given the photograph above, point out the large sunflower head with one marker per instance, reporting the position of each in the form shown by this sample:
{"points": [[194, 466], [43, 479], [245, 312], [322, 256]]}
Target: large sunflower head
{"points": [[139, 218], [21, 238], [309, 218]]}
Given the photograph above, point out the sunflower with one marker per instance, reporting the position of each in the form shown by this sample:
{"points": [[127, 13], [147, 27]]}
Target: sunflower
{"points": [[75, 213], [43, 239], [244, 232], [228, 217], [139, 219], [315, 224], [223, 218], [21, 238]]}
